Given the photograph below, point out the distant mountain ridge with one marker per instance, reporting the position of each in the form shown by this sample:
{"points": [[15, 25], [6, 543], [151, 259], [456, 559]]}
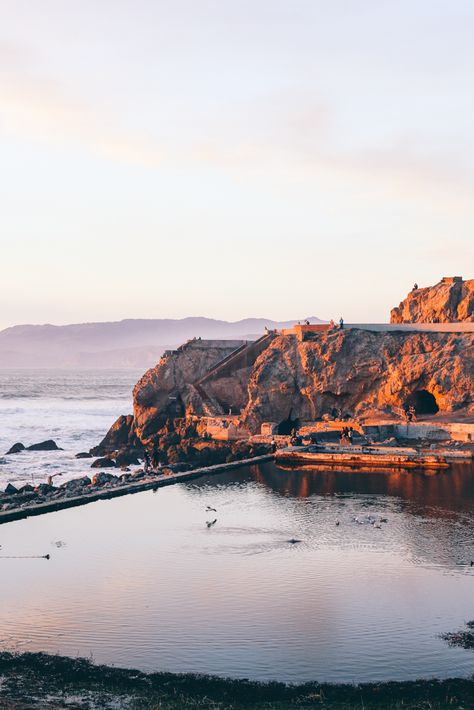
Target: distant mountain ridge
{"points": [[130, 343]]}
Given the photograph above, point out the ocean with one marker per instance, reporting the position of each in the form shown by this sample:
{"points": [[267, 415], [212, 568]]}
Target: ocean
{"points": [[73, 407]]}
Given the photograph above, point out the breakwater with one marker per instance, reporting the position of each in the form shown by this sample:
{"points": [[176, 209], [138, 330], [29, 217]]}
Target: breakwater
{"points": [[107, 491]]}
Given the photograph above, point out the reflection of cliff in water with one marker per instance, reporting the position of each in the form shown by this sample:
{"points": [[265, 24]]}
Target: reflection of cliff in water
{"points": [[450, 489], [430, 516]]}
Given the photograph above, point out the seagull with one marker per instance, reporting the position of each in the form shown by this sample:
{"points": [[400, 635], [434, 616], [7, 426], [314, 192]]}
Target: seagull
{"points": [[210, 523], [337, 522], [208, 508]]}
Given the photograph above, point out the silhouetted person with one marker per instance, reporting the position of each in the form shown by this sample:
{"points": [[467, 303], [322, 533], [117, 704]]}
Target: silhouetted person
{"points": [[341, 323], [415, 287], [146, 461], [155, 458]]}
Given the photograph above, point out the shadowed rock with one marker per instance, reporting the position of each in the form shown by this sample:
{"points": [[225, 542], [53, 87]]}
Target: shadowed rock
{"points": [[48, 445], [103, 463], [10, 490], [16, 448], [121, 435]]}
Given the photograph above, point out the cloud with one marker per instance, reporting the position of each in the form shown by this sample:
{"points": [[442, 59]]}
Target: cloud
{"points": [[289, 136], [38, 107]]}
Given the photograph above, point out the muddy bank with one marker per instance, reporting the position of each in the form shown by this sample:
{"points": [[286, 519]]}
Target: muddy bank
{"points": [[37, 680]]}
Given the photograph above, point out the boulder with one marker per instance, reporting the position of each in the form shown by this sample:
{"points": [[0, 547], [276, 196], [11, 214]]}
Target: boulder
{"points": [[104, 462], [16, 448], [99, 479], [48, 445], [10, 490], [121, 435], [76, 483], [126, 458], [83, 455], [43, 489], [27, 488]]}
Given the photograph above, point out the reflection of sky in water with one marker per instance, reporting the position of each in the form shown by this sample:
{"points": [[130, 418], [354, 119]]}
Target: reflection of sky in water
{"points": [[143, 582]]}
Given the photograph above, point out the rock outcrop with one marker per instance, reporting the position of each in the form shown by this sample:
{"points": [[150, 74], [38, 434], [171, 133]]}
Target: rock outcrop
{"points": [[285, 380], [360, 372], [452, 299], [168, 390], [121, 435]]}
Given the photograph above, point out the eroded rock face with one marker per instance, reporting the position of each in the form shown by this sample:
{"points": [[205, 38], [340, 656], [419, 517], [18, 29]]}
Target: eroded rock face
{"points": [[450, 300], [167, 391], [120, 435], [356, 372]]}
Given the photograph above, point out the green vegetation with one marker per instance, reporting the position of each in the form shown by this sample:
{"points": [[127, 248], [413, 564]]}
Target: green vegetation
{"points": [[38, 680]]}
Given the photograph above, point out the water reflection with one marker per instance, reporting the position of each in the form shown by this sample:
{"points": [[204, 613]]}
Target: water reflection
{"points": [[142, 581], [451, 489]]}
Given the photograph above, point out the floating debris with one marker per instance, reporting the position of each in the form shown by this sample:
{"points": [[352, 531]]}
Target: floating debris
{"points": [[463, 639], [209, 509], [293, 541], [210, 523], [58, 543]]}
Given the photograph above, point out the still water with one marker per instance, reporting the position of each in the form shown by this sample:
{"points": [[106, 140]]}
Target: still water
{"points": [[141, 581]]}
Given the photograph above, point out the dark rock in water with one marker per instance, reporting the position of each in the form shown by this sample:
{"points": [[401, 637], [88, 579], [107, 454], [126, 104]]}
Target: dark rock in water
{"points": [[27, 488], [44, 488], [10, 490], [99, 479], [126, 458], [83, 455], [103, 463], [121, 435], [293, 541], [16, 448], [48, 445]]}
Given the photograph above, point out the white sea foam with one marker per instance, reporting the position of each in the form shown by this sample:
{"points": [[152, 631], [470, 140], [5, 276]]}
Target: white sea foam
{"points": [[75, 408]]}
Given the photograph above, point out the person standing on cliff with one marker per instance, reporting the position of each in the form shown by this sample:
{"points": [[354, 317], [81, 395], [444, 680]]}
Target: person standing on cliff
{"points": [[341, 323], [155, 458], [146, 461]]}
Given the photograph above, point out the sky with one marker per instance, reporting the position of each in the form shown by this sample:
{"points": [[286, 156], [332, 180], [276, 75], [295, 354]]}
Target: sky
{"points": [[232, 158]]}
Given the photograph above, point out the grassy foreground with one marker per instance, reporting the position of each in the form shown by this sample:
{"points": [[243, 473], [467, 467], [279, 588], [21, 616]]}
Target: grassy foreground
{"points": [[39, 680]]}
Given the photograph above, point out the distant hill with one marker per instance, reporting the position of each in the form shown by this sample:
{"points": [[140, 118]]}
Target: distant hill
{"points": [[133, 343]]}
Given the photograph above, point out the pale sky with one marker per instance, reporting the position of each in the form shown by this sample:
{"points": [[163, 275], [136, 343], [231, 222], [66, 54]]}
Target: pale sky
{"points": [[232, 158]]}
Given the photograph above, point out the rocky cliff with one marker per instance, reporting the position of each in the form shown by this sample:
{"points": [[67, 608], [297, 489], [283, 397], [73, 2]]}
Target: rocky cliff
{"points": [[452, 299], [361, 372], [169, 390], [283, 379]]}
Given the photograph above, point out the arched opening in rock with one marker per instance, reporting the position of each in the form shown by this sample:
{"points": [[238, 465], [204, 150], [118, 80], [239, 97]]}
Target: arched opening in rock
{"points": [[423, 401], [286, 426]]}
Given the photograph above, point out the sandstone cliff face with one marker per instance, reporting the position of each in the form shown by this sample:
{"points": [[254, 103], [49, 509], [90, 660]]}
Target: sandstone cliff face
{"points": [[447, 301], [357, 372], [167, 390]]}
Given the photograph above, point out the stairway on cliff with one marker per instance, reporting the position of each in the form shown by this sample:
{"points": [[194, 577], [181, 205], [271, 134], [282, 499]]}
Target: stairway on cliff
{"points": [[243, 356]]}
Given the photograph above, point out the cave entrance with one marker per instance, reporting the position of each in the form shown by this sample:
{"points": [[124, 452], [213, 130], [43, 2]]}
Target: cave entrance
{"points": [[423, 401], [287, 425]]}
